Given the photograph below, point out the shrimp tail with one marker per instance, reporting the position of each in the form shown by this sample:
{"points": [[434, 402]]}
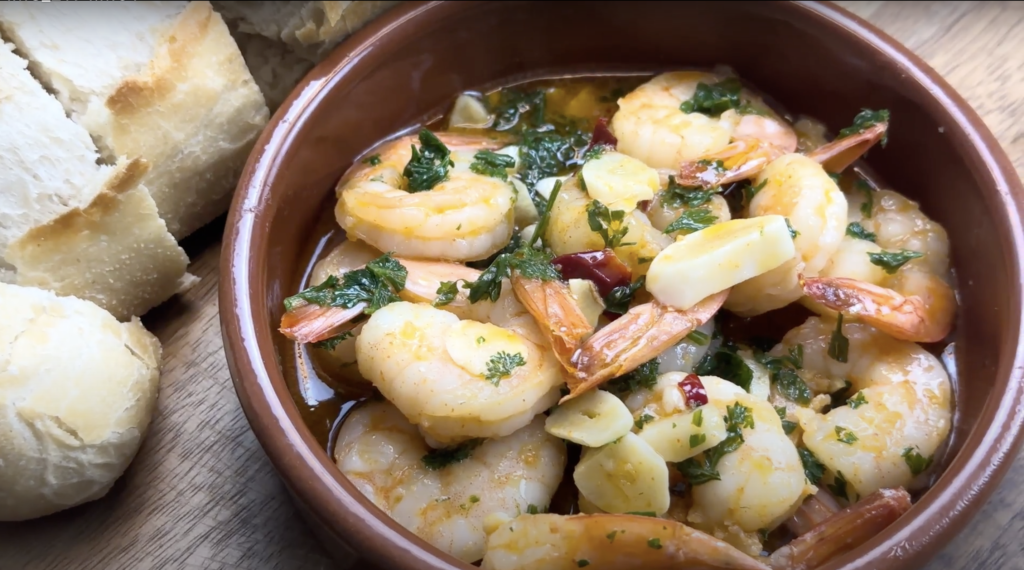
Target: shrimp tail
{"points": [[313, 323], [559, 316], [843, 531], [812, 512], [604, 541], [837, 155], [740, 160], [906, 318], [643, 333]]}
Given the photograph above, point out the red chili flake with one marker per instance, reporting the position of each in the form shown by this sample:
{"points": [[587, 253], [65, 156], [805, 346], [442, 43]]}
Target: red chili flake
{"points": [[694, 391], [602, 267], [603, 135], [644, 205]]}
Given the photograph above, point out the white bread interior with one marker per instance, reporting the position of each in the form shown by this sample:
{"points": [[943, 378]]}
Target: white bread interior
{"points": [[47, 162], [77, 392], [162, 81], [115, 251]]}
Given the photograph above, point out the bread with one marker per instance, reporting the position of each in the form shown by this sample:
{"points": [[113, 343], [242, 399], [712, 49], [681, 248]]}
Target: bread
{"points": [[275, 68], [115, 252], [162, 81], [311, 29], [77, 391], [47, 162]]}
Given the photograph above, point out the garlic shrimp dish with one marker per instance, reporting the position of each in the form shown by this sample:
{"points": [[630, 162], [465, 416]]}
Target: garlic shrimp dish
{"points": [[638, 321]]}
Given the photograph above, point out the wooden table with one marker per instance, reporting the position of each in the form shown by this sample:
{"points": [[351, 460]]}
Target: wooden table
{"points": [[202, 494]]}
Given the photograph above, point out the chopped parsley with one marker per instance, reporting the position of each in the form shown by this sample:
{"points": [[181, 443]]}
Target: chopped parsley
{"points": [[714, 99], [654, 543], [372, 160], [749, 191], [916, 462], [698, 418], [644, 376], [516, 108], [846, 436], [891, 261], [501, 366], [869, 203], [787, 426], [643, 420], [726, 364], [582, 563], [651, 514], [864, 120], [490, 163], [692, 221], [440, 458], [698, 338], [446, 293], [480, 340], [838, 486], [545, 218], [377, 285], [429, 164], [783, 374], [855, 230], [697, 439], [739, 416], [595, 151], [676, 195], [857, 401], [700, 471], [792, 232], [333, 342], [619, 298], [544, 154], [609, 224], [611, 535], [529, 262], [532, 509], [814, 470], [839, 345], [474, 499]]}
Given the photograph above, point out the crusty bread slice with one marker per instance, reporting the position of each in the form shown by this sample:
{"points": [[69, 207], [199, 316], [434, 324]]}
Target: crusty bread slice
{"points": [[47, 162], [115, 252], [274, 66], [162, 81], [312, 29]]}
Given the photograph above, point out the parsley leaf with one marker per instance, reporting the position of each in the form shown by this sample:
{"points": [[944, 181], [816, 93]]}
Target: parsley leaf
{"points": [[698, 418], [654, 543], [333, 342], [609, 224], [839, 345], [714, 99], [490, 163], [440, 458], [446, 293], [698, 338], [857, 401], [619, 298], [866, 118], [869, 204], [891, 261], [372, 160], [792, 232], [700, 471], [595, 151], [582, 563], [738, 416], [644, 376], [728, 365], [787, 426], [376, 284], [846, 436], [429, 164], [792, 386], [749, 191], [643, 420], [545, 218], [855, 230], [692, 221], [501, 366], [529, 262], [517, 108], [651, 514], [532, 509], [838, 486], [697, 440], [916, 462], [544, 154], [676, 195], [814, 470]]}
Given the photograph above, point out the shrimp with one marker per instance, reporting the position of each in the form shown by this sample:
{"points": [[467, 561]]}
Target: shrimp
{"points": [[382, 454], [898, 412], [465, 217], [619, 542], [761, 483], [913, 301], [459, 379], [798, 188], [651, 127], [669, 204], [552, 303]]}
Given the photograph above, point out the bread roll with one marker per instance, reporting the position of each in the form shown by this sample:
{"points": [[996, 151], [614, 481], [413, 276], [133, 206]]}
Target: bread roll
{"points": [[275, 68], [115, 252], [312, 29], [77, 390], [162, 81]]}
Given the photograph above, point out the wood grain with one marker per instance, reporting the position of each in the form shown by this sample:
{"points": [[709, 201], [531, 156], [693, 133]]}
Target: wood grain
{"points": [[202, 495]]}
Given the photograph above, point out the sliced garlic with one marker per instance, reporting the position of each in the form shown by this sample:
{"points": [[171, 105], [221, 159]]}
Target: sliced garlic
{"points": [[619, 181], [718, 257], [472, 345], [544, 186], [624, 476], [588, 299], [593, 419], [671, 437], [469, 113], [525, 211]]}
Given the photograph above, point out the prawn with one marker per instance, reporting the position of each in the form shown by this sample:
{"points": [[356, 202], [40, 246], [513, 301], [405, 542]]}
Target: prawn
{"points": [[876, 277], [620, 542], [898, 411], [464, 217], [447, 503]]}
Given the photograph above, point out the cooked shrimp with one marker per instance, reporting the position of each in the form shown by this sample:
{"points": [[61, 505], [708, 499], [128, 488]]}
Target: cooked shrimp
{"points": [[843, 531], [915, 301], [667, 206], [899, 411], [386, 459], [797, 188], [685, 354], [553, 306], [651, 127], [762, 482], [459, 379], [619, 542], [644, 332], [467, 216]]}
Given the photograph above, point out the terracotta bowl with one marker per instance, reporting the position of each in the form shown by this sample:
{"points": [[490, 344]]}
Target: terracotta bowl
{"points": [[814, 58]]}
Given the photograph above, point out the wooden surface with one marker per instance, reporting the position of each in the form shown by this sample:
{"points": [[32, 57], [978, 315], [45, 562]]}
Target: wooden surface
{"points": [[202, 494]]}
